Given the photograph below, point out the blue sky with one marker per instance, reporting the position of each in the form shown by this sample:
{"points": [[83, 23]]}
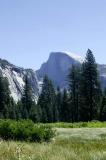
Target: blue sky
{"points": [[31, 29]]}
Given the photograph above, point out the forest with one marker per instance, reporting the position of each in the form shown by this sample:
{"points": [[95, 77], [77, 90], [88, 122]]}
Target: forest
{"points": [[82, 100]]}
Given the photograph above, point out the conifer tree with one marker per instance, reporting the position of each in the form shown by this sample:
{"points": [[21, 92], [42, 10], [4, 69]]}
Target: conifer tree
{"points": [[47, 100], [89, 89], [65, 108], [4, 97], [35, 113], [12, 109], [73, 80], [27, 99], [103, 107], [19, 110], [57, 109]]}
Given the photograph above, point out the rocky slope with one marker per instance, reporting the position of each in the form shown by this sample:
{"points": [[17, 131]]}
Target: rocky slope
{"points": [[56, 67], [16, 76]]}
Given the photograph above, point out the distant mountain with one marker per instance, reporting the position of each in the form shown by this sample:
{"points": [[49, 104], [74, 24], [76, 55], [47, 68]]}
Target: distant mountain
{"points": [[57, 68], [102, 72], [16, 77]]}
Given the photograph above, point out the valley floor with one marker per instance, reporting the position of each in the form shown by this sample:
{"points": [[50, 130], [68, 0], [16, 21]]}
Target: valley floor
{"points": [[69, 144]]}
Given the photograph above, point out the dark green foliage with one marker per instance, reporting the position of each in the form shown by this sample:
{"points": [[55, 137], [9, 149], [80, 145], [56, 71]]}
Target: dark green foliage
{"points": [[47, 100], [57, 107], [74, 82], [27, 99], [27, 108], [82, 101], [19, 110], [65, 108], [103, 107], [25, 130], [4, 93], [35, 113], [12, 109], [89, 89], [6, 102]]}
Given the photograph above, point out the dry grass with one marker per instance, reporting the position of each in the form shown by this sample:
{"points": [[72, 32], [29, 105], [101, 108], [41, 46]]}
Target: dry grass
{"points": [[70, 144]]}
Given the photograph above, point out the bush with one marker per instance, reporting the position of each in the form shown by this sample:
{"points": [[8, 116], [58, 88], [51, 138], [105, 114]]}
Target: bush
{"points": [[25, 130]]}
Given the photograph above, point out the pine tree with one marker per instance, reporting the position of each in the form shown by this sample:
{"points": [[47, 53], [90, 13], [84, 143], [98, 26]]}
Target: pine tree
{"points": [[65, 108], [73, 80], [35, 113], [47, 100], [57, 109], [12, 109], [89, 88], [4, 97], [27, 99], [103, 107], [19, 110]]}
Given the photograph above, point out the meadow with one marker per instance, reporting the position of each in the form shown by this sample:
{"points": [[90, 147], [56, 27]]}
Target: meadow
{"points": [[81, 143], [92, 124]]}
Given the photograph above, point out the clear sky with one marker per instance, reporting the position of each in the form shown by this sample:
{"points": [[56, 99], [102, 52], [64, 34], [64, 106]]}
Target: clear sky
{"points": [[31, 29]]}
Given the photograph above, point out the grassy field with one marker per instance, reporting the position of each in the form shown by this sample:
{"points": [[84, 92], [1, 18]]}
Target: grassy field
{"points": [[69, 144], [93, 124]]}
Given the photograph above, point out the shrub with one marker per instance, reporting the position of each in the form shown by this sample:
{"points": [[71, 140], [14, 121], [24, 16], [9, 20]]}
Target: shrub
{"points": [[25, 130]]}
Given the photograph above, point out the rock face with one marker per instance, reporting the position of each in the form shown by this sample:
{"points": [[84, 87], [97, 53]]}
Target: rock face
{"points": [[57, 68], [102, 72], [16, 77]]}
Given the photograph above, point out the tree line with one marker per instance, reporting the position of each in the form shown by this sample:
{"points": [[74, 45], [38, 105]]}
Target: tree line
{"points": [[82, 100]]}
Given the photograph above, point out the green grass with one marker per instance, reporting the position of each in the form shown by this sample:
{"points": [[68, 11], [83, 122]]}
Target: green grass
{"points": [[69, 144], [93, 124]]}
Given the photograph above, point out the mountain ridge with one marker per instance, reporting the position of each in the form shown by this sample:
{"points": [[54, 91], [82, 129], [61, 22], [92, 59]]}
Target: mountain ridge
{"points": [[56, 68], [16, 76], [60, 62]]}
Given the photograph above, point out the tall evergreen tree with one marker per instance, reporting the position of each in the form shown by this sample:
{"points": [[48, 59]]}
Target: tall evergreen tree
{"points": [[47, 100], [19, 110], [27, 99], [12, 109], [65, 108], [5, 98], [89, 88], [73, 80], [35, 113], [58, 105], [103, 107]]}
